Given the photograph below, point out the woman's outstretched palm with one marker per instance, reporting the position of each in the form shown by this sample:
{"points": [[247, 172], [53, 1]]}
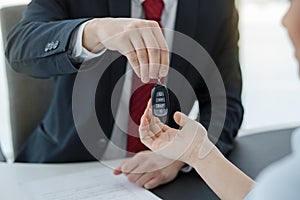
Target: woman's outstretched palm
{"points": [[170, 142]]}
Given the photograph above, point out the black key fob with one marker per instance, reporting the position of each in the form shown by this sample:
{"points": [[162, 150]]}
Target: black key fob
{"points": [[160, 102]]}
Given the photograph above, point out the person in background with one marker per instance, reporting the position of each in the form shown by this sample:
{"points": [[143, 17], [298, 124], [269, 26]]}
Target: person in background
{"points": [[279, 181], [55, 37]]}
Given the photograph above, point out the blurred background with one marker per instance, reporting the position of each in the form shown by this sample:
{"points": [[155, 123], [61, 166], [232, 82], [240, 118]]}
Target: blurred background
{"points": [[271, 87]]}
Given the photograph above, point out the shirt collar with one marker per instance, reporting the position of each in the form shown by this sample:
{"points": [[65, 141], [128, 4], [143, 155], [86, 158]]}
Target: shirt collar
{"points": [[168, 3]]}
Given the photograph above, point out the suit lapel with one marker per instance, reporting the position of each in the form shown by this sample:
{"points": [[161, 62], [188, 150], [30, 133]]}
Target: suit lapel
{"points": [[120, 8], [186, 17], [186, 23], [117, 8]]}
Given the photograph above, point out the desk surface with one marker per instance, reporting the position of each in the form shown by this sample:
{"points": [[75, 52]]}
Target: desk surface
{"points": [[12, 175], [252, 154]]}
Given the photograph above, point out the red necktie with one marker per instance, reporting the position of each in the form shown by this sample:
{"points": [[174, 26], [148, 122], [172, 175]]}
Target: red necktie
{"points": [[141, 93]]}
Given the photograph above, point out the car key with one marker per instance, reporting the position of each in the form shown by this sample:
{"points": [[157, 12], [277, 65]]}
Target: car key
{"points": [[160, 102]]}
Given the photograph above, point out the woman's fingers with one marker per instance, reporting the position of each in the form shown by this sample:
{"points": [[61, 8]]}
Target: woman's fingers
{"points": [[150, 127], [146, 135], [181, 119]]}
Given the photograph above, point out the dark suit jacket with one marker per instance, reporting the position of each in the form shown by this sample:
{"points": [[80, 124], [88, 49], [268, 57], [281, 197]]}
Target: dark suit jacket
{"points": [[213, 24]]}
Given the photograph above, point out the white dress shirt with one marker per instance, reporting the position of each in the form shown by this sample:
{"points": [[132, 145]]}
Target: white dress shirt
{"points": [[118, 142]]}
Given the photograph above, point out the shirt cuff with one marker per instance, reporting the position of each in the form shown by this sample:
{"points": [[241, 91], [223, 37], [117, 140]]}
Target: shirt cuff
{"points": [[249, 195], [80, 54], [186, 169]]}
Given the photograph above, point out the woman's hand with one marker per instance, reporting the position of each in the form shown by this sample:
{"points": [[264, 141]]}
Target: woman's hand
{"points": [[185, 145]]}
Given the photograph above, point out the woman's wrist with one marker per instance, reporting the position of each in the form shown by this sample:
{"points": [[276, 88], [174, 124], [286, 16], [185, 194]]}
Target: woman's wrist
{"points": [[201, 151]]}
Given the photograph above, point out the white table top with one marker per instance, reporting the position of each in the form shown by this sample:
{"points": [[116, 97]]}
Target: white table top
{"points": [[12, 175]]}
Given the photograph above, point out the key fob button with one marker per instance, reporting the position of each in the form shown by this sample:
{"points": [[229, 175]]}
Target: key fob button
{"points": [[159, 106], [160, 112], [160, 100], [160, 94]]}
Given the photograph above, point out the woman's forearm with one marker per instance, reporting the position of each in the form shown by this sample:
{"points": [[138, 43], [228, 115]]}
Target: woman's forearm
{"points": [[225, 179]]}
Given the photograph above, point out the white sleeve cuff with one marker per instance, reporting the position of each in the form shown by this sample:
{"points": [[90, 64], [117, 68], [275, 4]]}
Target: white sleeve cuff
{"points": [[78, 51], [186, 169]]}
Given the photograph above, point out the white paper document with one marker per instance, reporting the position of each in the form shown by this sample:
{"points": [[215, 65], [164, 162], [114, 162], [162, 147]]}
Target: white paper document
{"points": [[87, 185]]}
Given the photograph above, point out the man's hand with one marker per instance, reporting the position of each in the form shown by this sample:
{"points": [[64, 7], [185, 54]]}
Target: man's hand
{"points": [[149, 170], [141, 41], [186, 145]]}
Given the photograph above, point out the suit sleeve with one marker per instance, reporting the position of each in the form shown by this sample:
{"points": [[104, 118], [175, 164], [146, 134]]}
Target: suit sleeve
{"points": [[39, 45], [226, 57]]}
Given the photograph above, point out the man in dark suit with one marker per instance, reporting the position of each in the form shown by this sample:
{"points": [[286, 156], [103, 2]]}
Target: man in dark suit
{"points": [[54, 37]]}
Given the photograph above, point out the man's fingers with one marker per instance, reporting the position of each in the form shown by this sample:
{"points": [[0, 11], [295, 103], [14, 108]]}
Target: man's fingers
{"points": [[118, 170], [145, 178], [133, 177], [134, 62], [154, 65], [153, 183], [153, 52], [164, 52], [126, 48], [147, 52], [129, 165], [164, 60], [154, 58], [144, 69], [141, 52]]}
